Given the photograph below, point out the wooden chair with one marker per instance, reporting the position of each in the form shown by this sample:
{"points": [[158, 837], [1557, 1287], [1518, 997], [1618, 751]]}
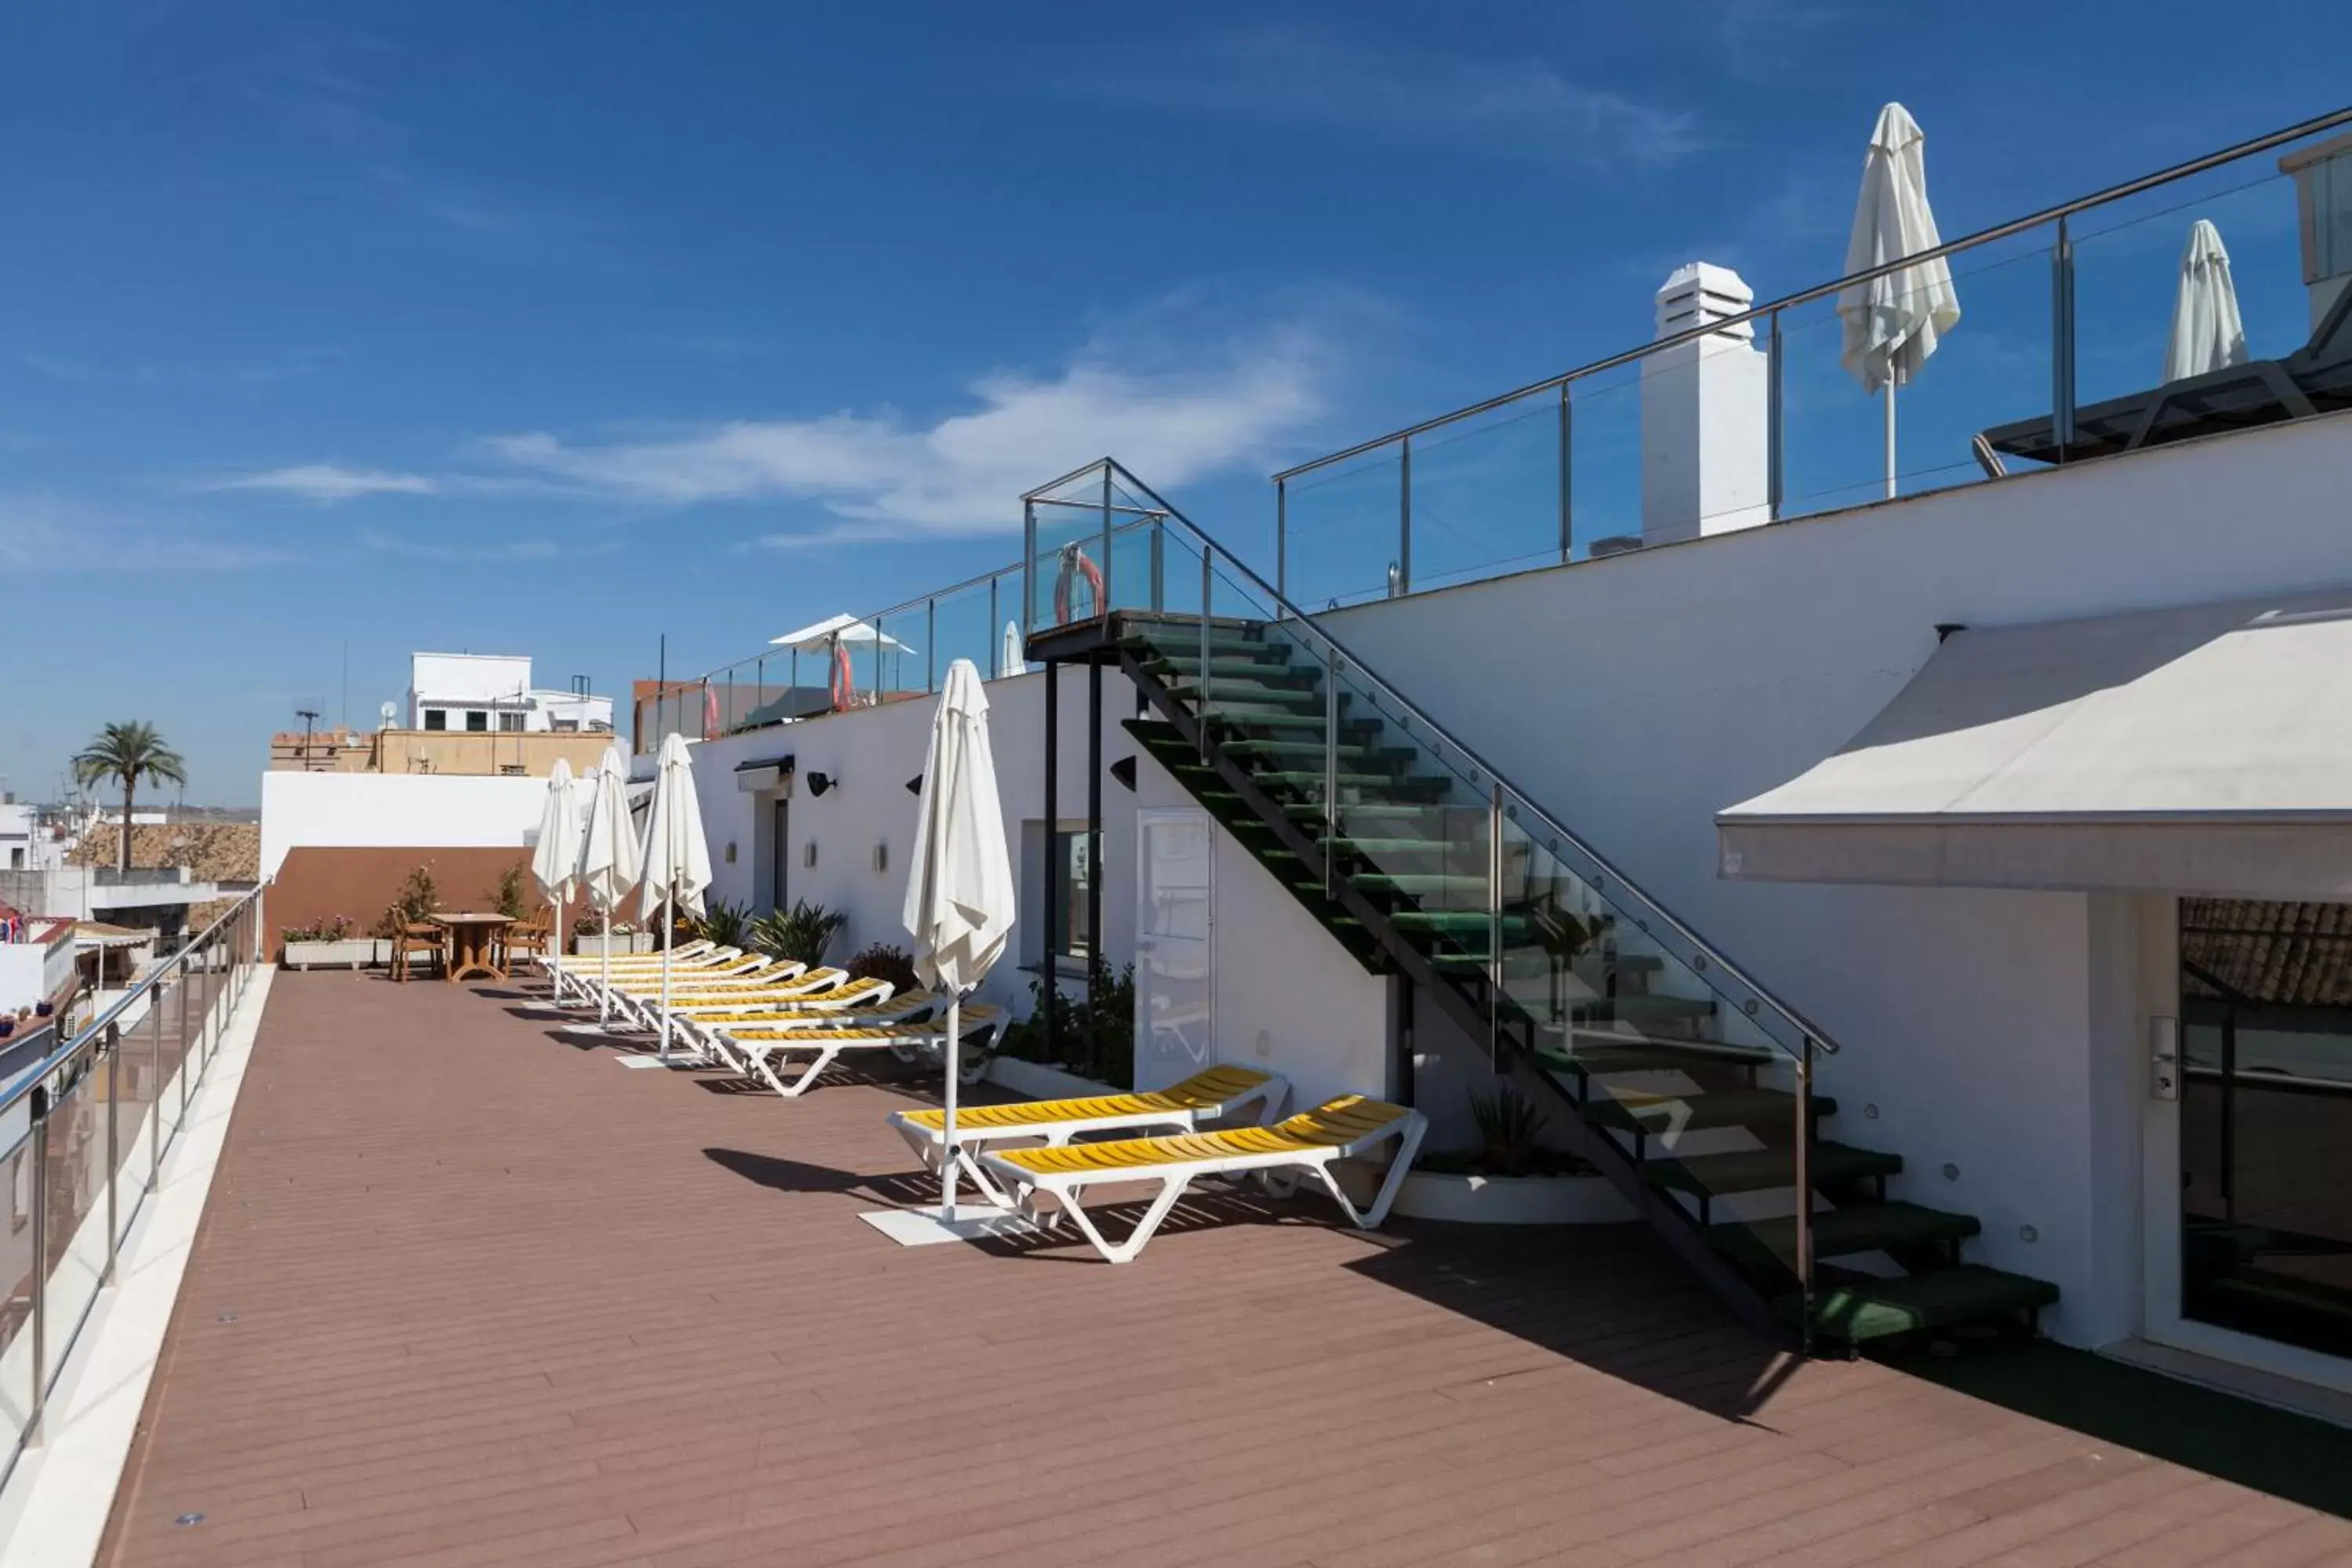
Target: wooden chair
{"points": [[416, 939], [528, 936]]}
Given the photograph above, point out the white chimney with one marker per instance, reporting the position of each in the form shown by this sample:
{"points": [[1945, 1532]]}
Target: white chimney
{"points": [[1705, 465]]}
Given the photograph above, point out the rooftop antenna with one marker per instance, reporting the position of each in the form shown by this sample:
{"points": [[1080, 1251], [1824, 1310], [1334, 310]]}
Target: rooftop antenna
{"points": [[310, 717]]}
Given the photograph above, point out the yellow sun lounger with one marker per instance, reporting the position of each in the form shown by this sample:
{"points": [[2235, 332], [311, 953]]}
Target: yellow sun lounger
{"points": [[1212, 1096], [641, 996], [585, 974], [762, 1049], [1308, 1142]]}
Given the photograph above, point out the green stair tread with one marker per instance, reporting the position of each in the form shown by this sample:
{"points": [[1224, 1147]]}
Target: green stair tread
{"points": [[1852, 1307], [1702, 1109], [1757, 1170], [1851, 1229]]}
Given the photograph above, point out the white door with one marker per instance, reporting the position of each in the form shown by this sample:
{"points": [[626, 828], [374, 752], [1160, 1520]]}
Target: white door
{"points": [[2248, 1133], [1175, 987]]}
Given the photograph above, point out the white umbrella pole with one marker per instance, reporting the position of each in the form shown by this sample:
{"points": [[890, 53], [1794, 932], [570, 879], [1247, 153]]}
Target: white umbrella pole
{"points": [[555, 942], [668, 919], [947, 1150], [1890, 440], [604, 998]]}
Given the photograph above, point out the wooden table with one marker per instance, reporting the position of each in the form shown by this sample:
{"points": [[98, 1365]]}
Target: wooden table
{"points": [[472, 940]]}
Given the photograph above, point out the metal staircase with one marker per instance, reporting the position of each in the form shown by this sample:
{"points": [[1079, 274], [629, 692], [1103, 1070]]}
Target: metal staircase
{"points": [[1691, 1088]]}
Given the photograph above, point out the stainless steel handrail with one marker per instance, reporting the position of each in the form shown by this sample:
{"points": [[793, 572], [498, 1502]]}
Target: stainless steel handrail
{"points": [[88, 1032], [1797, 1021], [2247, 149]]}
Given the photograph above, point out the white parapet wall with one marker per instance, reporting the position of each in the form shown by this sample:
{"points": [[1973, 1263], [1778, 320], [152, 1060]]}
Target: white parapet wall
{"points": [[394, 811]]}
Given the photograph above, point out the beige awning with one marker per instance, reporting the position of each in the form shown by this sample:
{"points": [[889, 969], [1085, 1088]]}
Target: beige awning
{"points": [[2205, 749]]}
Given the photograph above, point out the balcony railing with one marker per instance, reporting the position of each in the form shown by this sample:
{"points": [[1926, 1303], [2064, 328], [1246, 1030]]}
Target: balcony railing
{"points": [[83, 1132], [2062, 310]]}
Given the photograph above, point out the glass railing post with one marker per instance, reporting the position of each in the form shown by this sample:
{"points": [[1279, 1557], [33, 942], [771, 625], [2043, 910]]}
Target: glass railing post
{"points": [[932, 645], [1567, 470], [113, 1142], [1201, 686], [1028, 566], [1102, 605], [1282, 539], [2062, 342], [155, 1089], [1402, 580], [182, 1074], [995, 633], [40, 1263], [1495, 925], [1775, 436], [1330, 764], [1804, 1173], [1159, 566]]}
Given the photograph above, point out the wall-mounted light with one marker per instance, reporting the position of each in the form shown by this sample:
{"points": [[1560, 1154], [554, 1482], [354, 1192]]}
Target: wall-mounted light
{"points": [[915, 784], [808, 856], [820, 783], [730, 852], [882, 856], [1123, 771]]}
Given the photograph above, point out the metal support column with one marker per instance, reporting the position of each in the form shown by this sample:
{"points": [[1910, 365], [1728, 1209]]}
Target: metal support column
{"points": [[1804, 1163], [1567, 469], [1094, 861], [2062, 342], [1052, 988], [1775, 471], [1403, 584]]}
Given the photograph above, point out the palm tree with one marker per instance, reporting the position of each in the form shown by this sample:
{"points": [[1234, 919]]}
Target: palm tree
{"points": [[128, 754]]}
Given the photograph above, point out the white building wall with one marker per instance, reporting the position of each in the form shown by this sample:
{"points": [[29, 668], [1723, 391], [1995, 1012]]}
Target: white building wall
{"points": [[439, 811], [1635, 696]]}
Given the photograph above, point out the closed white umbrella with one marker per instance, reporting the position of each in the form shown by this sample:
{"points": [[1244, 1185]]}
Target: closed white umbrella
{"points": [[1009, 660], [2208, 333], [1894, 322], [676, 857], [609, 857], [960, 888], [555, 859]]}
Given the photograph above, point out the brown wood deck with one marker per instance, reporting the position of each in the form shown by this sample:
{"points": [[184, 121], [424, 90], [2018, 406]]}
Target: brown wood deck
{"points": [[467, 1294]]}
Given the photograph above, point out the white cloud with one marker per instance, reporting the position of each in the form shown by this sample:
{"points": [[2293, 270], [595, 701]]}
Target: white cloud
{"points": [[328, 482], [428, 549], [965, 472], [49, 535], [1520, 105]]}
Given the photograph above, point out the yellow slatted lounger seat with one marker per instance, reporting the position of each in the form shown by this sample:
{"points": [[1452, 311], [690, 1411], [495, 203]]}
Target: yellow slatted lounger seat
{"points": [[732, 968], [763, 1048], [1214, 1095], [779, 983], [583, 975], [862, 1001], [1308, 1142]]}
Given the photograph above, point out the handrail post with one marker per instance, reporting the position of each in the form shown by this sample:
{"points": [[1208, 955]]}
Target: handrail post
{"points": [[1028, 568], [154, 1090], [2062, 342], [1775, 473], [1158, 565], [113, 1142], [1404, 518], [932, 643], [1804, 1171], [995, 633], [1102, 610], [1494, 923], [182, 1074], [1201, 686], [1330, 763], [41, 1263], [1566, 495], [1282, 539]]}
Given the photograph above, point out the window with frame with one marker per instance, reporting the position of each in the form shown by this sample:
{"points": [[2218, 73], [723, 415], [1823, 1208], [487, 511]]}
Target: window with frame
{"points": [[436, 718], [477, 720], [509, 722]]}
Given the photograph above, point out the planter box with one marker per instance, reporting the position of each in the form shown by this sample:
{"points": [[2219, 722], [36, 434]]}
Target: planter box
{"points": [[595, 946], [1512, 1200], [353, 953]]}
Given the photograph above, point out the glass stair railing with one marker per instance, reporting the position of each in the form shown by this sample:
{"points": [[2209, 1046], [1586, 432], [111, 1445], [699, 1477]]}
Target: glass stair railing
{"points": [[1690, 1086]]}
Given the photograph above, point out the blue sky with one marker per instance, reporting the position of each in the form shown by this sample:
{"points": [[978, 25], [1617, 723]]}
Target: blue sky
{"points": [[513, 328]]}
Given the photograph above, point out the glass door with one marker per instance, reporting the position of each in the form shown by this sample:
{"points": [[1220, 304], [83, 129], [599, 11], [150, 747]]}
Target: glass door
{"points": [[779, 853], [2265, 1120]]}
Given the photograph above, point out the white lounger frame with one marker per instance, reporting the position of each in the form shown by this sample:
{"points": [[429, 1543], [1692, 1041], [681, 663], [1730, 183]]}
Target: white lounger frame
{"points": [[929, 1143], [1176, 1177], [830, 1039]]}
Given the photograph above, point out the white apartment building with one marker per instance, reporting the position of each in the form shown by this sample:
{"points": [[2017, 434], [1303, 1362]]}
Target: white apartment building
{"points": [[493, 692]]}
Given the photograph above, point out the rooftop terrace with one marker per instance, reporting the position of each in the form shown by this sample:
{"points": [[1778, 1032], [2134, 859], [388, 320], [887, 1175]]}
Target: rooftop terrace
{"points": [[465, 1294]]}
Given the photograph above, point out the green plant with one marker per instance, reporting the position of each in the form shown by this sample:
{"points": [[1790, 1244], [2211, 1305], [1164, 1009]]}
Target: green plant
{"points": [[589, 921], [418, 898], [510, 896], [882, 962], [723, 924], [128, 754], [1509, 1128], [800, 933], [1094, 1032], [327, 928]]}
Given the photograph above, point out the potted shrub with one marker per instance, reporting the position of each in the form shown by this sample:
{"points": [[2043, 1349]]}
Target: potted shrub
{"points": [[1510, 1176], [801, 933], [590, 936], [333, 943]]}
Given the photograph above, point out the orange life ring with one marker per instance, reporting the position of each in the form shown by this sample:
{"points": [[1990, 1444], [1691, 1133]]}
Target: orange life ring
{"points": [[1075, 563], [844, 690]]}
